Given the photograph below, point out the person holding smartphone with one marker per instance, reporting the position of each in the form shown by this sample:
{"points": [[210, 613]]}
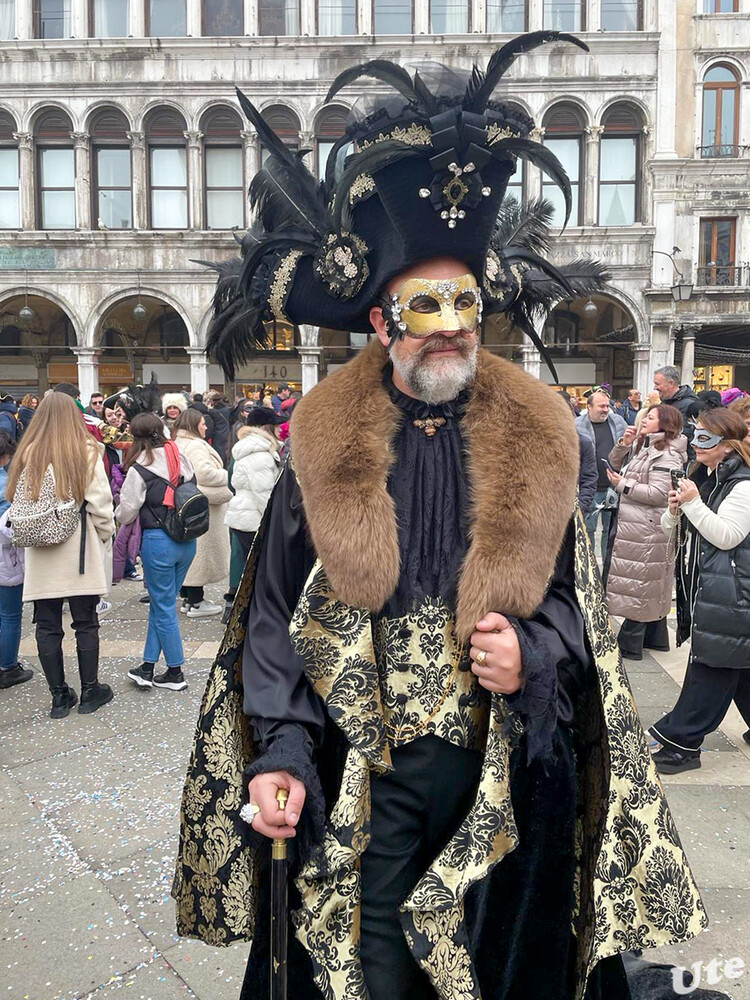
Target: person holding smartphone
{"points": [[711, 510], [638, 575]]}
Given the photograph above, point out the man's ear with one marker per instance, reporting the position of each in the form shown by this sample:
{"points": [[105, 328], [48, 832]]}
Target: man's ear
{"points": [[379, 325]]}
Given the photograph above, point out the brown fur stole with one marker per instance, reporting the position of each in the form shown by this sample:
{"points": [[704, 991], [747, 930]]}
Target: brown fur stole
{"points": [[522, 467]]}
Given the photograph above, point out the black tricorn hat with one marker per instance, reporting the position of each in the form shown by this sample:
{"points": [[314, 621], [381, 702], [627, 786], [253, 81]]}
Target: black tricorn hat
{"points": [[427, 179]]}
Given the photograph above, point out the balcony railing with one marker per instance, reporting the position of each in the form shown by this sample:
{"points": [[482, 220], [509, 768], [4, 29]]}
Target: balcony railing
{"points": [[719, 149], [724, 275]]}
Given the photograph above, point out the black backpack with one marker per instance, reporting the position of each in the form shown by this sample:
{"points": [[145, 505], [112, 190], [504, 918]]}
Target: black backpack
{"points": [[189, 516]]}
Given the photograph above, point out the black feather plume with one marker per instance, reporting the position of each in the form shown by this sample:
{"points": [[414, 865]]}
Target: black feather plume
{"points": [[379, 69], [526, 225], [541, 157], [424, 95], [482, 85]]}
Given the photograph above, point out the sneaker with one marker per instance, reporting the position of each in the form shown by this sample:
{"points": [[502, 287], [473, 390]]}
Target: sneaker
{"points": [[103, 607], [133, 575], [143, 675], [15, 675], [203, 610], [185, 607], [172, 679], [670, 761], [145, 598]]}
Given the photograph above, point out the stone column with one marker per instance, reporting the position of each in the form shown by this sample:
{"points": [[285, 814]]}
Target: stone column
{"points": [[364, 17], [195, 179], [310, 361], [26, 179], [193, 19], [591, 176], [307, 18], [198, 369], [78, 18], [641, 369], [593, 15], [24, 19], [688, 354], [307, 141], [88, 372], [531, 359], [81, 146], [251, 17], [535, 14], [479, 16], [533, 174], [421, 23], [137, 19], [250, 155], [138, 179]]}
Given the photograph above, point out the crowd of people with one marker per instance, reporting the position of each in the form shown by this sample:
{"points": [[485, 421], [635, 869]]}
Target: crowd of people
{"points": [[88, 492], [672, 499], [666, 482]]}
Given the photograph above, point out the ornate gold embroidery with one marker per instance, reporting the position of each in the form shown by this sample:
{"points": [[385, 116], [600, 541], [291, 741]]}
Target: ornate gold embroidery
{"points": [[414, 135], [281, 280], [363, 186], [497, 132]]}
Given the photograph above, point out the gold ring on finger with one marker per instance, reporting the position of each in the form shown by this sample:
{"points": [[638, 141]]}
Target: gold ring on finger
{"points": [[480, 658]]}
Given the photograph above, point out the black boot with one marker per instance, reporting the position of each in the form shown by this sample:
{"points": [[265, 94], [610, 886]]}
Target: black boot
{"points": [[63, 699], [93, 694]]}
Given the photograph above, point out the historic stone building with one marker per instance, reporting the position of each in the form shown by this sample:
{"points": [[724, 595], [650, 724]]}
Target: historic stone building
{"points": [[124, 158]]}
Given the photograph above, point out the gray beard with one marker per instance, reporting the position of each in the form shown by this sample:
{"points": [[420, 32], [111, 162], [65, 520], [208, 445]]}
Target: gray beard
{"points": [[436, 381]]}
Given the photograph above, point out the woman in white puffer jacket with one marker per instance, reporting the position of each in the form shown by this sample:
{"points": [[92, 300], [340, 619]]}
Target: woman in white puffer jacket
{"points": [[253, 471]]}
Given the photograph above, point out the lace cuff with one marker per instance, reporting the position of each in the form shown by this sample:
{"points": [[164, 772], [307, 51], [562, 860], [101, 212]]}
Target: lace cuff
{"points": [[536, 702], [291, 750]]}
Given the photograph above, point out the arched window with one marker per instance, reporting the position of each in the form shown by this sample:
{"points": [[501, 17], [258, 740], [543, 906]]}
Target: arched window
{"points": [[565, 15], [563, 126], [337, 17], [622, 15], [721, 106], [167, 169], [9, 211], [330, 125], [506, 15], [449, 17], [222, 18], [393, 17], [166, 18], [8, 19], [278, 17], [222, 159], [56, 197], [52, 18], [108, 18], [285, 124], [619, 164], [111, 174]]}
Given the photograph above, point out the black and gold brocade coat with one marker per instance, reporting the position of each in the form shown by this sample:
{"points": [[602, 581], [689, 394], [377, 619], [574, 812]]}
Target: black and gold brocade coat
{"points": [[633, 885]]}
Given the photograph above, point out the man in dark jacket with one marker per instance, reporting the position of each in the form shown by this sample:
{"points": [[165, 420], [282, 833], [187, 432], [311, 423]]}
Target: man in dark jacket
{"points": [[8, 421], [667, 384], [587, 474], [220, 442], [630, 407]]}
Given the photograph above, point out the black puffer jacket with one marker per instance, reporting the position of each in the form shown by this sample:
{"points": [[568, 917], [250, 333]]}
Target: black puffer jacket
{"points": [[719, 618]]}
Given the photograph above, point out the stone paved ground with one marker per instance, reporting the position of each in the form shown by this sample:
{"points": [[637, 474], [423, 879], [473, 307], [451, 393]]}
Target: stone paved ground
{"points": [[89, 816]]}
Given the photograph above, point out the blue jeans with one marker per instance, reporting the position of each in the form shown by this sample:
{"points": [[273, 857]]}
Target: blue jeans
{"points": [[165, 565], [592, 517], [11, 612]]}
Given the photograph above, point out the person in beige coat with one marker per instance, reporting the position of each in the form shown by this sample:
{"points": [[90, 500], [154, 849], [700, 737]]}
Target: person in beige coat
{"points": [[57, 441], [211, 563], [640, 572]]}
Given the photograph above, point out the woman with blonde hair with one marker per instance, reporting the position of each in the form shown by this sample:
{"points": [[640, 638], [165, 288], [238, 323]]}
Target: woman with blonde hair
{"points": [[58, 462], [211, 562]]}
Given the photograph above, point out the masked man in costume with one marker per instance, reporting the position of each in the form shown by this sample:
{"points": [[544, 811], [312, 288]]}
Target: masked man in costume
{"points": [[419, 650]]}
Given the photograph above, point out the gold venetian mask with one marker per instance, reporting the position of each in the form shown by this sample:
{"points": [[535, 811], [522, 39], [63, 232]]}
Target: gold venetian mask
{"points": [[422, 307]]}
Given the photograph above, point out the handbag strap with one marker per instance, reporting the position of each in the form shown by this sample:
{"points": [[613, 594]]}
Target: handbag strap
{"points": [[82, 550]]}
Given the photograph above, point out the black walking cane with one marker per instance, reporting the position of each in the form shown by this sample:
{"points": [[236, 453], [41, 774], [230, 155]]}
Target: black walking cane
{"points": [[278, 969]]}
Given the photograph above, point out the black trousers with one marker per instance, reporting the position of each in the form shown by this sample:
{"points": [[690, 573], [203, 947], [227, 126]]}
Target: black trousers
{"points": [[706, 695], [193, 594], [635, 636], [49, 637]]}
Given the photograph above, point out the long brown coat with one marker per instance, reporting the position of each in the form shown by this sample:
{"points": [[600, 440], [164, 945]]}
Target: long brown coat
{"points": [[639, 585]]}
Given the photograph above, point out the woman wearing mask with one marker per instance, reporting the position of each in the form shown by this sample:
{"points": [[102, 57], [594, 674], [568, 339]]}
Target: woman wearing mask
{"points": [[211, 562], [154, 466], [12, 670], [58, 459], [641, 567], [253, 471], [710, 515]]}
